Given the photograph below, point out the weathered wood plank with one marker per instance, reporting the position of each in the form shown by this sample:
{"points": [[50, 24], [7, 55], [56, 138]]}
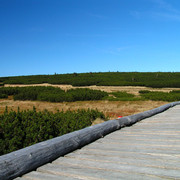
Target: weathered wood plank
{"points": [[140, 148], [35, 175], [132, 154], [91, 172], [136, 160], [113, 166]]}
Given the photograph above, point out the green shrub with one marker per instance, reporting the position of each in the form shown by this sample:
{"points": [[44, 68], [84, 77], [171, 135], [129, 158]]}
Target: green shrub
{"points": [[21, 129], [144, 91], [161, 96], [2, 96], [9, 90], [53, 94], [122, 96], [175, 91], [84, 94]]}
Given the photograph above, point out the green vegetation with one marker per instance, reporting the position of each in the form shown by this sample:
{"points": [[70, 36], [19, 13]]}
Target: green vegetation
{"points": [[2, 96], [52, 94], [145, 95], [148, 79], [160, 96], [122, 96], [22, 129]]}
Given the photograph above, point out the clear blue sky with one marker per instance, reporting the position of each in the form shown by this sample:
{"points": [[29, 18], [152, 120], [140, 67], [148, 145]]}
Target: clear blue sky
{"points": [[66, 36]]}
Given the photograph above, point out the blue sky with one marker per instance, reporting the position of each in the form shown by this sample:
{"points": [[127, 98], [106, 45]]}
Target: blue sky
{"points": [[67, 36]]}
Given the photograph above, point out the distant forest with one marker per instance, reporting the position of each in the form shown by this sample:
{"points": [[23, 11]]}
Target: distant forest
{"points": [[148, 79]]}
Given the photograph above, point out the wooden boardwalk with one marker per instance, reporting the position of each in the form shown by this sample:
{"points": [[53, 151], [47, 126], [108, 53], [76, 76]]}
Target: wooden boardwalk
{"points": [[149, 149]]}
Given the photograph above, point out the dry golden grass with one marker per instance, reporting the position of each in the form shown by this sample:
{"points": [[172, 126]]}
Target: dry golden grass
{"points": [[130, 89], [113, 109]]}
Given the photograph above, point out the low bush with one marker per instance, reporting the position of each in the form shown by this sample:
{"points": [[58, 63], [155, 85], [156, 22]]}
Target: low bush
{"points": [[161, 96], [84, 94], [122, 96], [144, 91], [21, 129], [175, 91], [53, 94], [2, 96], [9, 90]]}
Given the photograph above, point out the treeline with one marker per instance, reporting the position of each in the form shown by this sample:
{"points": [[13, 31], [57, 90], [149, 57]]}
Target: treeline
{"points": [[148, 79], [51, 94], [22, 129]]}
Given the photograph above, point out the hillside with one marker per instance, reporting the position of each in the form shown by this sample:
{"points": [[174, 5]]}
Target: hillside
{"points": [[148, 79]]}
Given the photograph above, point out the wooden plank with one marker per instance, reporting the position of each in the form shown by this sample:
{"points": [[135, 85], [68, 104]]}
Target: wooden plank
{"points": [[131, 154], [35, 175], [141, 148], [113, 166], [91, 172], [136, 160]]}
